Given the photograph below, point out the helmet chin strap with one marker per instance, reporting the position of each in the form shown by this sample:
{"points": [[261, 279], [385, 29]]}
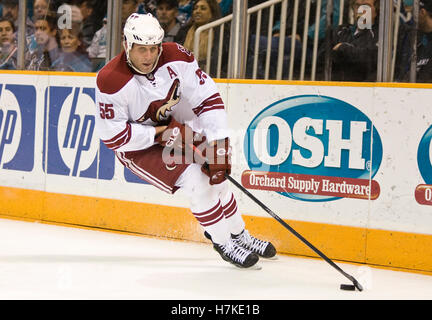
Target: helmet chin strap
{"points": [[136, 69]]}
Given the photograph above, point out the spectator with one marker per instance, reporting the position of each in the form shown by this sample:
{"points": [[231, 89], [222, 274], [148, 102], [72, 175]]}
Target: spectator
{"points": [[166, 13], [128, 7], [323, 18], [204, 11], [41, 8], [97, 49], [72, 56], [185, 11], [406, 11], [77, 16], [424, 50], [355, 50], [424, 46], [47, 49], [10, 11], [90, 22], [8, 49], [57, 3], [263, 39], [225, 7], [147, 6]]}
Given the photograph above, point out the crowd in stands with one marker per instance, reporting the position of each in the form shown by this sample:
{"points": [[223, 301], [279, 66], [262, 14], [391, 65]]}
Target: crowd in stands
{"points": [[353, 47], [54, 44], [80, 45]]}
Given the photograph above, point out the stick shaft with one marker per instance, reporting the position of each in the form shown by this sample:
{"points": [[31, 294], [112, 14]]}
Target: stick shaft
{"points": [[298, 235]]}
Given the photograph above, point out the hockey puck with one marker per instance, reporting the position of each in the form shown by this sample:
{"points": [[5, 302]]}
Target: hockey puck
{"points": [[348, 287]]}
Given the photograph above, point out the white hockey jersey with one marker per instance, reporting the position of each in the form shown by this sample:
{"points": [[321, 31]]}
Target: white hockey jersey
{"points": [[130, 105]]}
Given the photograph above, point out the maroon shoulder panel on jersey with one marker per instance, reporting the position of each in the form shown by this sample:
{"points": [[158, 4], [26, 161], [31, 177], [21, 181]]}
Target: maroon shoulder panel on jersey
{"points": [[114, 76], [174, 52]]}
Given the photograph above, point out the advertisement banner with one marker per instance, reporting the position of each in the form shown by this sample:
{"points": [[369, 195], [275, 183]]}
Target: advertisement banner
{"points": [[342, 155], [316, 138]]}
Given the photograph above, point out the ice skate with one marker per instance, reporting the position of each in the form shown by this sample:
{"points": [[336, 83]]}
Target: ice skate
{"points": [[262, 248], [236, 254]]}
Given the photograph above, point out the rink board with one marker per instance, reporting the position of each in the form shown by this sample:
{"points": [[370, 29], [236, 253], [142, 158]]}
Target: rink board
{"points": [[364, 149]]}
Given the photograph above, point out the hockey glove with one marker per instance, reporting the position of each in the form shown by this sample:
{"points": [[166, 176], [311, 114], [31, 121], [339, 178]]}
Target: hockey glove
{"points": [[175, 135], [218, 161]]}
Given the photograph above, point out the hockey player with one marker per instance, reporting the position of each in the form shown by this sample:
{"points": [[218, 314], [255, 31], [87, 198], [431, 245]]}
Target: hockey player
{"points": [[150, 98]]}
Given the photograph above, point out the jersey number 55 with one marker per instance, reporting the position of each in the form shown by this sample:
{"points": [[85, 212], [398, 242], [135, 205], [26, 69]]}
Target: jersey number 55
{"points": [[106, 110]]}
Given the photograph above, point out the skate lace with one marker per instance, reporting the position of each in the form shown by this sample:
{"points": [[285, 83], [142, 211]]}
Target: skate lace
{"points": [[252, 243], [235, 252]]}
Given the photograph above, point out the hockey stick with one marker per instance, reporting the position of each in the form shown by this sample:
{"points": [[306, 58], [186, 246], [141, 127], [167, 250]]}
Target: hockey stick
{"points": [[298, 235], [356, 284]]}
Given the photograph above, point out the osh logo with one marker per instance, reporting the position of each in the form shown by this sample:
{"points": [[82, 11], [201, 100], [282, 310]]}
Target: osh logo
{"points": [[17, 127], [423, 192], [313, 148], [71, 148]]}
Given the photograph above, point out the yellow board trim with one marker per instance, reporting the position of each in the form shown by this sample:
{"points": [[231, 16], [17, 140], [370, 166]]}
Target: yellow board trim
{"points": [[251, 81], [398, 250], [330, 83], [49, 73]]}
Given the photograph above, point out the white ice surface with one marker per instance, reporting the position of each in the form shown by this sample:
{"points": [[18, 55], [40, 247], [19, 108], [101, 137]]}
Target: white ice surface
{"points": [[41, 261]]}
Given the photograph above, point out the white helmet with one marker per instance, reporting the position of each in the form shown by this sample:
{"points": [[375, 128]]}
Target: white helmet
{"points": [[142, 29]]}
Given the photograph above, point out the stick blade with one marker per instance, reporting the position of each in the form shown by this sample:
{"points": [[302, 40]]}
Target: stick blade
{"points": [[348, 287], [352, 287]]}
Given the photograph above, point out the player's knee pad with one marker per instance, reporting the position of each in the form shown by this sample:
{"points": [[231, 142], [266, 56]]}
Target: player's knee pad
{"points": [[194, 184], [224, 192]]}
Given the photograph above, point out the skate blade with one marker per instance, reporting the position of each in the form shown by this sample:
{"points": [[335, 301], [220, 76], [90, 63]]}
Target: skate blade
{"points": [[254, 267], [272, 258]]}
